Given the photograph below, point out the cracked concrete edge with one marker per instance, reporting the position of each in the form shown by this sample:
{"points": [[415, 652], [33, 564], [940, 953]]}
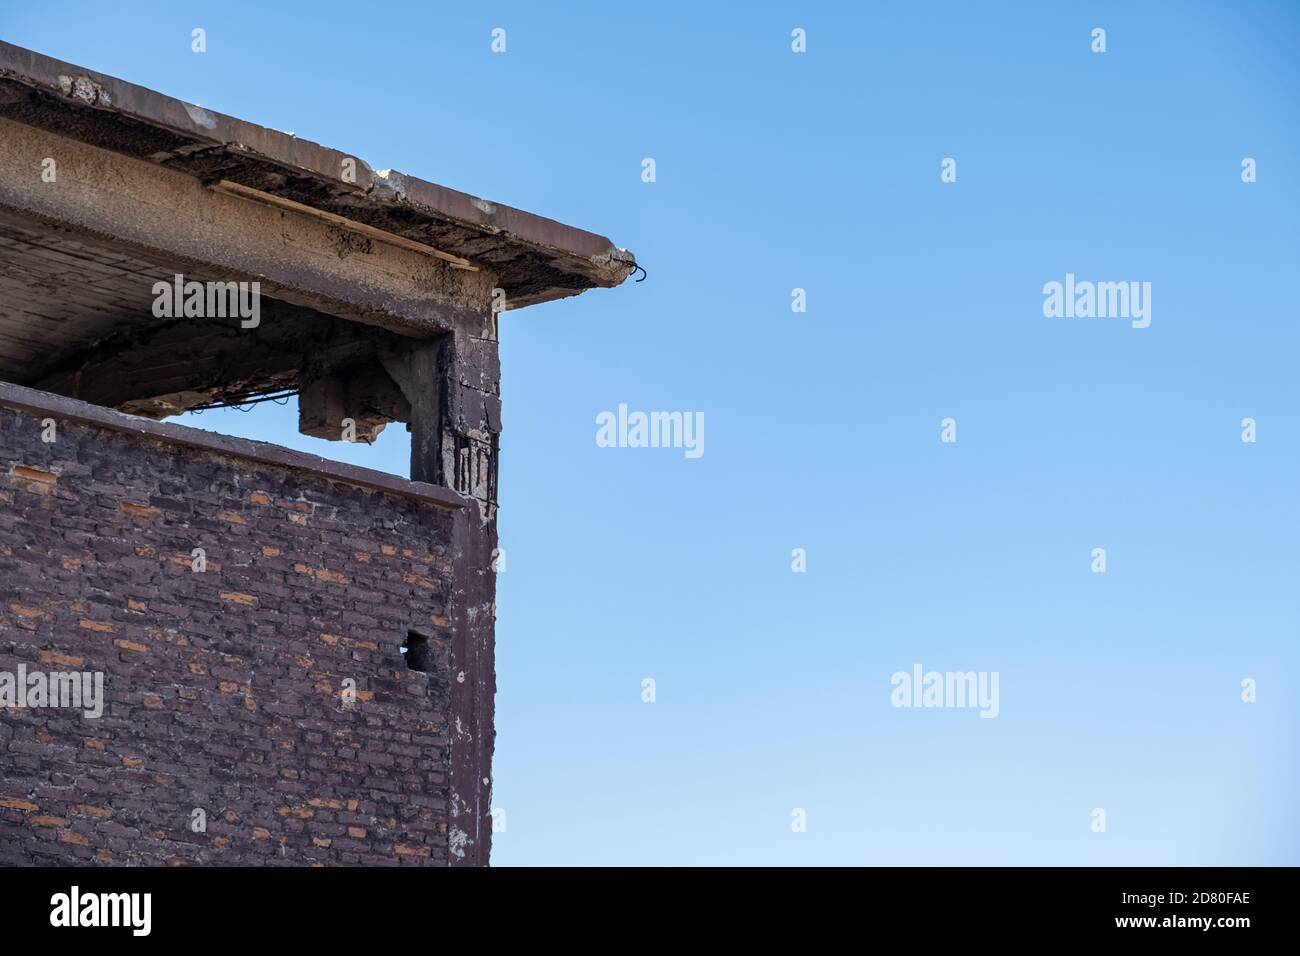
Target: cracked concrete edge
{"points": [[594, 256]]}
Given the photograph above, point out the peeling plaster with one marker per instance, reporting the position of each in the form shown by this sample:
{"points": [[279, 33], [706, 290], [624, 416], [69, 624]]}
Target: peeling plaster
{"points": [[390, 184], [200, 116], [85, 89], [457, 840]]}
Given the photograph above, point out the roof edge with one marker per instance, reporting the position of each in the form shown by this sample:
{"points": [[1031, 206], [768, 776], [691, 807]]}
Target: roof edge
{"points": [[591, 260]]}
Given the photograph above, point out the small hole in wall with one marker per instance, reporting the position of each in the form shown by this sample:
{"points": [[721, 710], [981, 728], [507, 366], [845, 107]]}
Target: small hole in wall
{"points": [[418, 653]]}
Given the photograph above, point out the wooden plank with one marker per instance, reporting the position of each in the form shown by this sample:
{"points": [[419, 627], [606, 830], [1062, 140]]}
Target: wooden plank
{"points": [[268, 199]]}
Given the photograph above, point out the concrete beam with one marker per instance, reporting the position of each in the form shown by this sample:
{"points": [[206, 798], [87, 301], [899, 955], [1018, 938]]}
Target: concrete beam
{"points": [[536, 258], [172, 220]]}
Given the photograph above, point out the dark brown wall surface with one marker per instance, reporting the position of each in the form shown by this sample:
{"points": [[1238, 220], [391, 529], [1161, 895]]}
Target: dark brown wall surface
{"points": [[224, 688]]}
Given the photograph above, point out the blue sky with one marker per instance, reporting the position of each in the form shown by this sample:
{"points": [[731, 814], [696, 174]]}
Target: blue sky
{"points": [[820, 171]]}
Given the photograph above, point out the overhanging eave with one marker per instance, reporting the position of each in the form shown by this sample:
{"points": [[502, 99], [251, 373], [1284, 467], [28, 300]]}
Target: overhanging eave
{"points": [[535, 259]]}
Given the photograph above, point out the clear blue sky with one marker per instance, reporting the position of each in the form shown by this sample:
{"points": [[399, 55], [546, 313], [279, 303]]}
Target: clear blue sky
{"points": [[821, 171]]}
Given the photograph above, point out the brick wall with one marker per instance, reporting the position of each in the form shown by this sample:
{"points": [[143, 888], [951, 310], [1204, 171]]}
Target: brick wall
{"points": [[223, 688]]}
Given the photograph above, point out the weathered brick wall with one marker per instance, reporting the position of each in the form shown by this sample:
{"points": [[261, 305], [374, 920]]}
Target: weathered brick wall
{"points": [[223, 688]]}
